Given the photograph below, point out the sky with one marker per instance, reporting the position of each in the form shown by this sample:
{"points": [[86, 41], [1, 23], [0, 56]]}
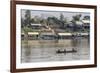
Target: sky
{"points": [[45, 14]]}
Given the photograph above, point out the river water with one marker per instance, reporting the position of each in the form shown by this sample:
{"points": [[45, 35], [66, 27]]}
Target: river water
{"points": [[45, 50]]}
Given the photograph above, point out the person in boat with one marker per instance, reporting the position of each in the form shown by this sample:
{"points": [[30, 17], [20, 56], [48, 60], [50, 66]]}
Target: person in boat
{"points": [[64, 51], [73, 50], [58, 51]]}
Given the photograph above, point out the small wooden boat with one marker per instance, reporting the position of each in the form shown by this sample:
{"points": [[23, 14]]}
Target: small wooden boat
{"points": [[66, 51]]}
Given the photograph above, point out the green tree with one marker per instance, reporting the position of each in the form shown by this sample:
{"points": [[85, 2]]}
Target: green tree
{"points": [[27, 24], [27, 18], [76, 18]]}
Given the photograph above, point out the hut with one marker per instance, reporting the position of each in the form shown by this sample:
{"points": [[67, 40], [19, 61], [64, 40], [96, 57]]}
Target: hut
{"points": [[86, 24], [36, 26], [64, 35], [47, 35], [33, 35]]}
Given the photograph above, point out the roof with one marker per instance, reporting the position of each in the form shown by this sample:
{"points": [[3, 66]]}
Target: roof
{"points": [[47, 33], [64, 34], [33, 33], [36, 24], [84, 33], [22, 33], [79, 23], [86, 21]]}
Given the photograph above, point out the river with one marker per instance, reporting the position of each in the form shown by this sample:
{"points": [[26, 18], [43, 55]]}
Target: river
{"points": [[45, 50]]}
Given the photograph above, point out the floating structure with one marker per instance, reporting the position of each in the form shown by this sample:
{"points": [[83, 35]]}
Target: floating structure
{"points": [[33, 35], [47, 36], [64, 35]]}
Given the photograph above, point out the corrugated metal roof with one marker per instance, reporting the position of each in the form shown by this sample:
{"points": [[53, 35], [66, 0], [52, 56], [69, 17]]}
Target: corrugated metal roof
{"points": [[64, 34], [33, 33], [22, 33], [79, 23], [84, 33], [36, 24], [47, 33], [86, 21]]}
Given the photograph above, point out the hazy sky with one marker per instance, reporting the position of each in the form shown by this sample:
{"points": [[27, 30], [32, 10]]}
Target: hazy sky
{"points": [[45, 14]]}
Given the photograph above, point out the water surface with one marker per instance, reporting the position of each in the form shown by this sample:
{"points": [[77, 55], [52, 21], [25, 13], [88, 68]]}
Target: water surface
{"points": [[45, 50]]}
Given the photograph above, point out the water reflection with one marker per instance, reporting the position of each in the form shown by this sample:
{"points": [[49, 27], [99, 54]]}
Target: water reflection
{"points": [[45, 50]]}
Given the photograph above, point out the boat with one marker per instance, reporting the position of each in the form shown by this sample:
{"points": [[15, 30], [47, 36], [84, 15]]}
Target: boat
{"points": [[66, 51]]}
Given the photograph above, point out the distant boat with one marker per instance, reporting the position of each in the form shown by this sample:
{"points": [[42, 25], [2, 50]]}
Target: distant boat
{"points": [[66, 51]]}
